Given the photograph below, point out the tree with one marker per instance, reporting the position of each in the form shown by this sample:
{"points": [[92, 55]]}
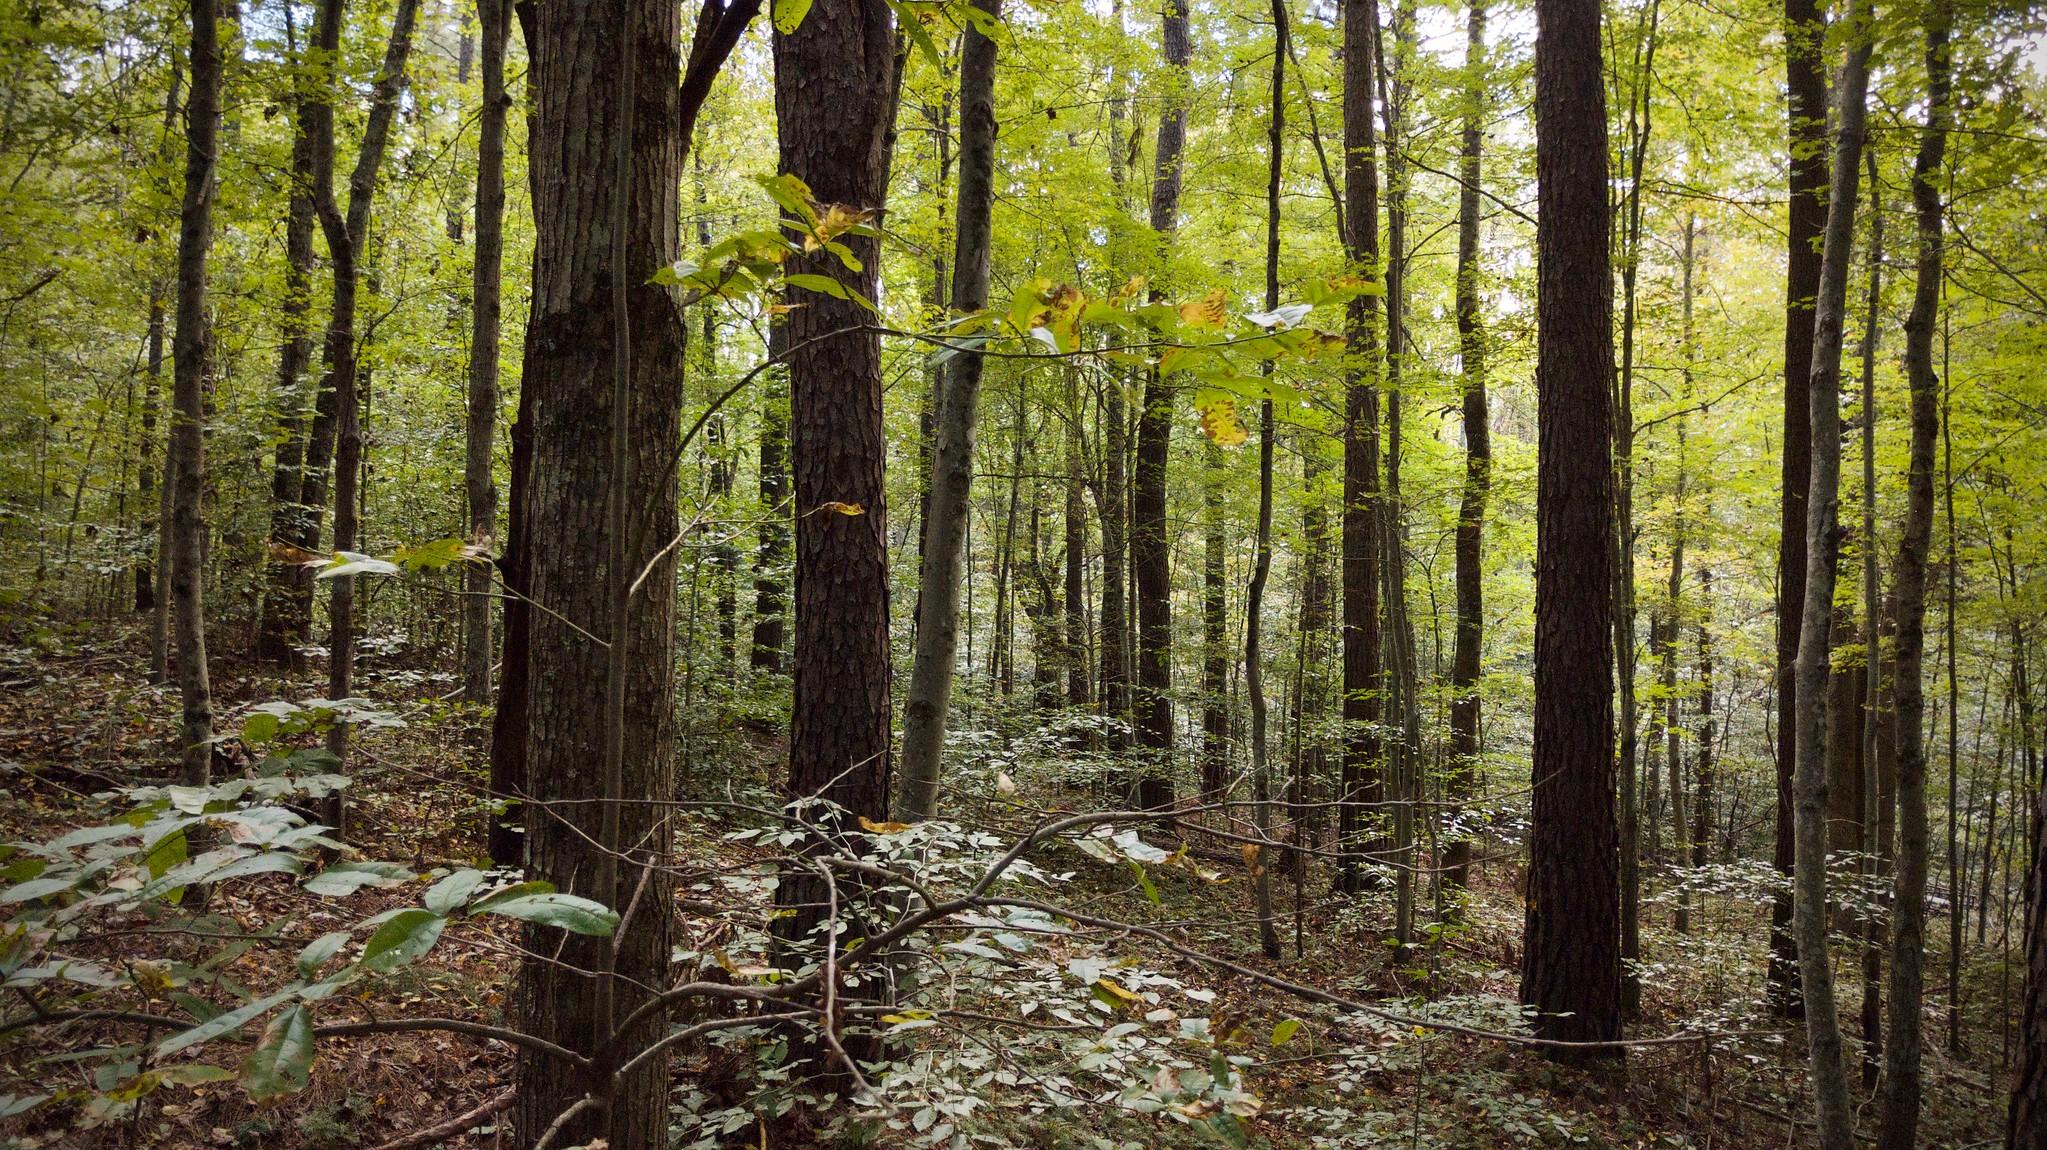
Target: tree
{"points": [[1571, 966], [1362, 786], [1478, 453], [835, 84], [1901, 1086], [479, 485], [1150, 553], [952, 458], [1823, 545], [602, 349], [191, 352], [1806, 85]]}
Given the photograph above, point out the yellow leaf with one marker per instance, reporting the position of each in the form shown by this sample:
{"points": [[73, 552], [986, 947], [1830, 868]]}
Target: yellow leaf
{"points": [[872, 827], [1116, 989], [1220, 423], [1206, 311], [842, 508]]}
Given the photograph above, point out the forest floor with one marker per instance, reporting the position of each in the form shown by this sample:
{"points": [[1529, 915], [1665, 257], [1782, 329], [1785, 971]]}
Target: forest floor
{"points": [[77, 717]]}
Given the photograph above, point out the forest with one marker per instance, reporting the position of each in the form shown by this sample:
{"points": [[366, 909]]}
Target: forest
{"points": [[1053, 574]]}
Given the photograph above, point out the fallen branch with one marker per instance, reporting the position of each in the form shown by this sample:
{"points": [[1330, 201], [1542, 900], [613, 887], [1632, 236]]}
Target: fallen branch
{"points": [[452, 1127]]}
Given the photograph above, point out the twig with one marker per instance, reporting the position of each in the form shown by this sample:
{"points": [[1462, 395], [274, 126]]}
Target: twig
{"points": [[451, 1127]]}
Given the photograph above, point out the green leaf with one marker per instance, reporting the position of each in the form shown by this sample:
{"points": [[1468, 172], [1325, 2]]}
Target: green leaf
{"points": [[571, 913], [269, 862], [1285, 1030], [320, 951], [788, 15], [1151, 892], [260, 728], [221, 1024], [403, 937], [347, 878], [444, 896], [12, 1104], [283, 1058], [828, 286], [516, 890], [36, 888], [347, 563]]}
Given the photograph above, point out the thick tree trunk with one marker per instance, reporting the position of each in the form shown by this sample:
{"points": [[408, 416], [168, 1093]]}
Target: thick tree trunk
{"points": [[1571, 966], [1465, 661], [480, 441], [1823, 545], [1901, 1078], [1806, 113], [600, 504], [2026, 1119], [1363, 785], [1150, 550], [834, 101], [952, 461], [191, 353]]}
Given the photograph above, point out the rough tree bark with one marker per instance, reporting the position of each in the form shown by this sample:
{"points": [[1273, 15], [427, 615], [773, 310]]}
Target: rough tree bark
{"points": [[1823, 545], [598, 506], [191, 354], [834, 101], [952, 460], [770, 599], [1571, 967], [1901, 1085]]}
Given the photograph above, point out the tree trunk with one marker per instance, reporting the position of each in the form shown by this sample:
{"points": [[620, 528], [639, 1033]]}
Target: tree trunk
{"points": [[1363, 786], [834, 100], [486, 296], [1875, 845], [1624, 608], [346, 246], [1571, 966], [1215, 713], [1823, 544], [952, 462], [1901, 1078], [191, 352], [770, 599], [1078, 689], [1806, 114], [1149, 547], [600, 504], [2026, 1118], [282, 631], [1673, 730], [1254, 606], [1465, 662], [1702, 801]]}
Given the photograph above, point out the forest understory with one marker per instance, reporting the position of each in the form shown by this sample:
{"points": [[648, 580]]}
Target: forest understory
{"points": [[418, 799]]}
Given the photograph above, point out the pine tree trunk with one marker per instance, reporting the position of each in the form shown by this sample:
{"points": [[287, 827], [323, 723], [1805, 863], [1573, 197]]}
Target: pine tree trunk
{"points": [[1902, 1050], [1806, 113], [486, 296], [1809, 874], [834, 100], [952, 462], [192, 350], [1149, 543], [1466, 660], [1571, 970], [770, 599], [599, 504]]}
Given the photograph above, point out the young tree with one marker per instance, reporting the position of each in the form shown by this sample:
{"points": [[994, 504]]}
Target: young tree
{"points": [[1478, 455], [191, 354], [1571, 966], [952, 460], [1901, 1086], [1823, 545], [480, 488]]}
